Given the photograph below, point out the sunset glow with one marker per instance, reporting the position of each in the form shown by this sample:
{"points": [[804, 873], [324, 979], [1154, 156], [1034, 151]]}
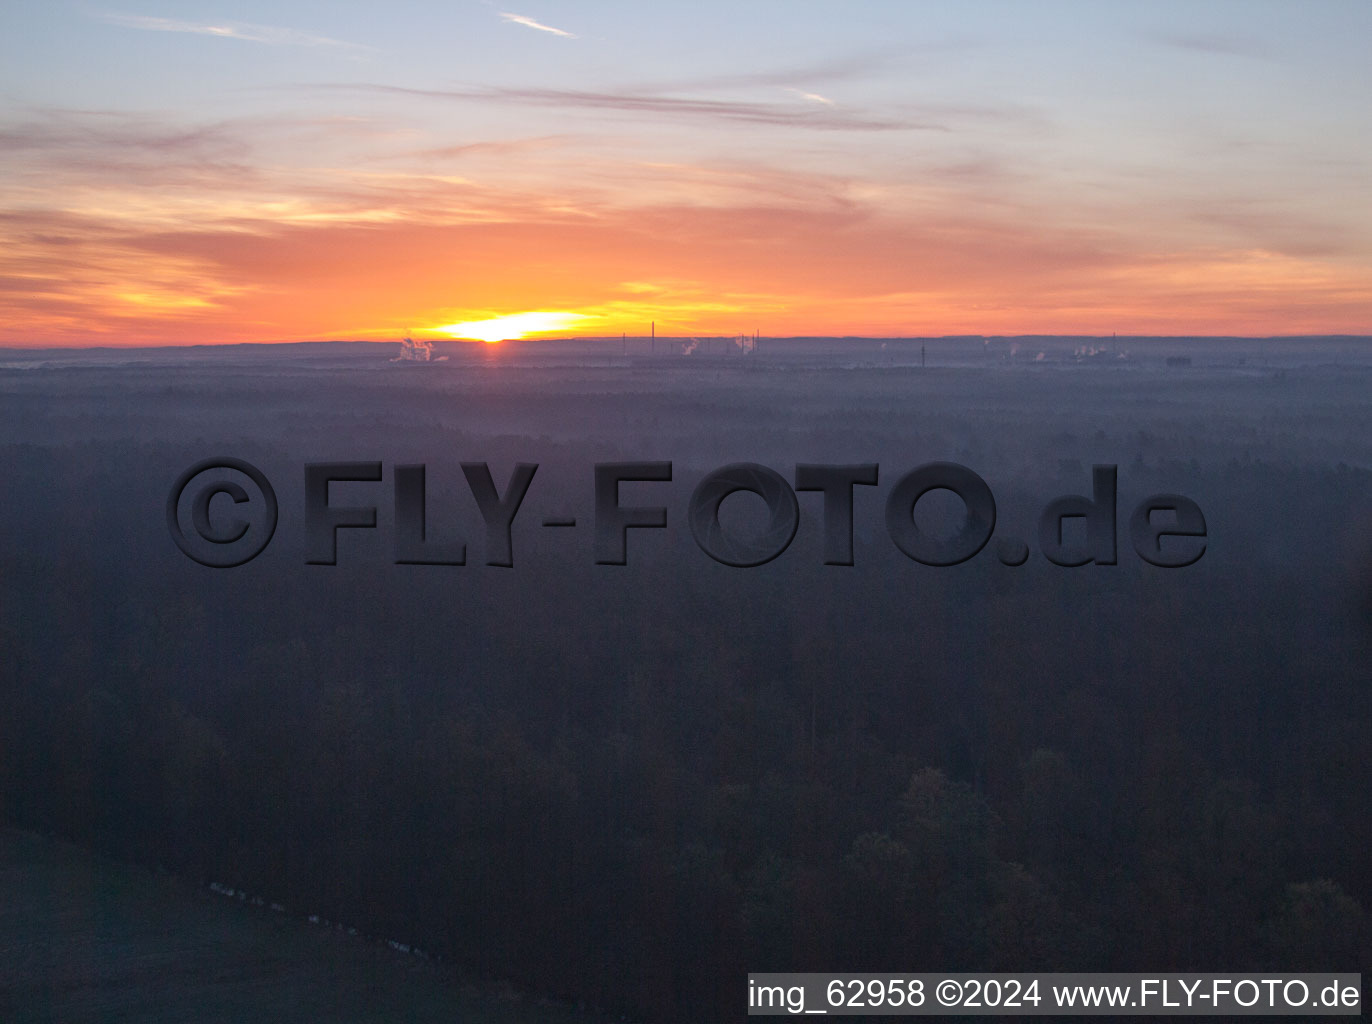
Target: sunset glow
{"points": [[517, 325], [182, 176]]}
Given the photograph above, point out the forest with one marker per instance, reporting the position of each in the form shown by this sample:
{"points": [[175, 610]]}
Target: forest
{"points": [[629, 785]]}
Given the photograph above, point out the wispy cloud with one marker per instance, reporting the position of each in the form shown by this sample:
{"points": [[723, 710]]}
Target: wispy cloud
{"points": [[867, 64], [270, 34], [813, 97], [492, 148], [776, 114], [1211, 42], [520, 19]]}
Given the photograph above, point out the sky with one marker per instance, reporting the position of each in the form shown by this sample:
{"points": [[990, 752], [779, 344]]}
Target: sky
{"points": [[207, 172]]}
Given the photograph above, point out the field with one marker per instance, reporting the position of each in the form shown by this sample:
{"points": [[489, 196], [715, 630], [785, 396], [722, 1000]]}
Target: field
{"points": [[87, 939]]}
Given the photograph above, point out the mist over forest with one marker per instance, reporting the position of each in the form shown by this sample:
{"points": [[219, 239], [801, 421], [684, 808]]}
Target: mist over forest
{"points": [[626, 786]]}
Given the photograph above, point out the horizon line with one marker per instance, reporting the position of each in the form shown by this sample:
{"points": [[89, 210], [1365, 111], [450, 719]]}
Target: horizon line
{"points": [[606, 339]]}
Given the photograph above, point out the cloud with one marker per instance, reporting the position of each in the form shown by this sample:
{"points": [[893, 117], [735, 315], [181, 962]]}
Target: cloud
{"points": [[494, 147], [269, 34], [1271, 228], [813, 97], [866, 64], [1212, 42], [520, 19], [105, 132], [657, 107], [84, 153]]}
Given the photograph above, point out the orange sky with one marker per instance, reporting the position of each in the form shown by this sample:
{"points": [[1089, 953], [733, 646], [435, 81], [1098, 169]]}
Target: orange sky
{"points": [[285, 192], [692, 270]]}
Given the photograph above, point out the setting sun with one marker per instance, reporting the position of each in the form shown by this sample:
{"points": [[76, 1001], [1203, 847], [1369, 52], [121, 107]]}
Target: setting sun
{"points": [[516, 325]]}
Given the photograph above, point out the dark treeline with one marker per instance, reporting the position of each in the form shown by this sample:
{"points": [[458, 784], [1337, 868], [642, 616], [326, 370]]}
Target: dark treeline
{"points": [[630, 786]]}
